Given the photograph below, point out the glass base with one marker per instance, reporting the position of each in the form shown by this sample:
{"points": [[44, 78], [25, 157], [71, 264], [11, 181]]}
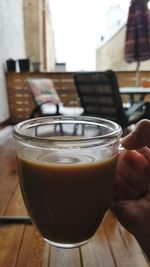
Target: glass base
{"points": [[65, 245]]}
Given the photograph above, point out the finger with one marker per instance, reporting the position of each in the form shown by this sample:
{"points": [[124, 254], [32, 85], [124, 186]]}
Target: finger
{"points": [[125, 191], [139, 137], [132, 165], [128, 213], [145, 151], [132, 174]]}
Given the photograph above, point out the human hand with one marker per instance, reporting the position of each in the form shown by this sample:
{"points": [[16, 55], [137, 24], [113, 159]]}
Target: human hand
{"points": [[131, 203]]}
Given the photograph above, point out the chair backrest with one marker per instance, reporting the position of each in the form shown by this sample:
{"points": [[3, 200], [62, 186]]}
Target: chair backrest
{"points": [[99, 95], [43, 91]]}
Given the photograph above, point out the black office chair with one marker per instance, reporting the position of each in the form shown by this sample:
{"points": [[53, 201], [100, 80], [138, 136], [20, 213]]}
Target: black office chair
{"points": [[99, 96]]}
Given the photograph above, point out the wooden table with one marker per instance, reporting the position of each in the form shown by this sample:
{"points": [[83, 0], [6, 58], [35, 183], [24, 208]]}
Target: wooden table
{"points": [[22, 246]]}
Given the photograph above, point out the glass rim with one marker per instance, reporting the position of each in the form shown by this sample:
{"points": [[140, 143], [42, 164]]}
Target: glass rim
{"points": [[17, 134]]}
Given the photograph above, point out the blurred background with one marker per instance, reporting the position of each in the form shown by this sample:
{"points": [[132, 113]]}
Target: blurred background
{"points": [[62, 35]]}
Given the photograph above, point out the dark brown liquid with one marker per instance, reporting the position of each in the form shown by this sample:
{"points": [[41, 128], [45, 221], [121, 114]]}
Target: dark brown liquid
{"points": [[67, 202]]}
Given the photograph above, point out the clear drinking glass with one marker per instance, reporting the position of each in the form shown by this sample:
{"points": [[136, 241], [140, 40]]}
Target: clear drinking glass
{"points": [[67, 169]]}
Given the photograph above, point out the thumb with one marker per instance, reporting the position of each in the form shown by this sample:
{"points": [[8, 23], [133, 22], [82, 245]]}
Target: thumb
{"points": [[139, 137]]}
